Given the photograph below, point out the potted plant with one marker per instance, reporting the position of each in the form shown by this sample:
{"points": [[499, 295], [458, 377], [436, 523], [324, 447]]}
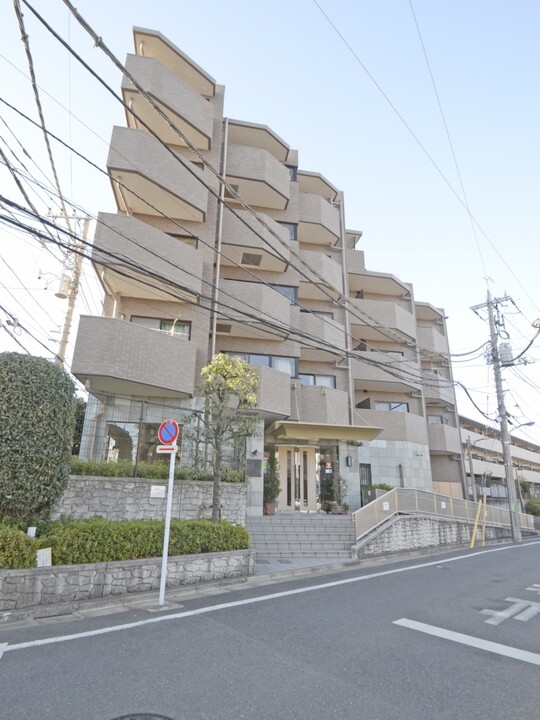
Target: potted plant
{"points": [[339, 506], [271, 484]]}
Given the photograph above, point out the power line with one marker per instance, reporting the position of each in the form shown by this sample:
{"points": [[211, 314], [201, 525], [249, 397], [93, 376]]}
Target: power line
{"points": [[403, 375], [421, 146]]}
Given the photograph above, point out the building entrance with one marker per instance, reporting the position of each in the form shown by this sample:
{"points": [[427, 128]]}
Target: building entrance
{"points": [[298, 477]]}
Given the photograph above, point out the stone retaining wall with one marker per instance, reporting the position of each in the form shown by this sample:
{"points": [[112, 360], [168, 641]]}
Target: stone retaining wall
{"points": [[403, 534], [68, 584], [131, 499]]}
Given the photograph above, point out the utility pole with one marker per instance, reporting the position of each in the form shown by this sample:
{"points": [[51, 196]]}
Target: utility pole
{"points": [[76, 253], [503, 420], [471, 469]]}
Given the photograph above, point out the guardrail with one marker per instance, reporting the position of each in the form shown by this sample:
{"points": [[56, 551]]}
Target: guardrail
{"points": [[409, 501]]}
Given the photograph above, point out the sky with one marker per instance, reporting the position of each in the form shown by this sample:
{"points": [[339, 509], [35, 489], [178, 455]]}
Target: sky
{"points": [[357, 86]]}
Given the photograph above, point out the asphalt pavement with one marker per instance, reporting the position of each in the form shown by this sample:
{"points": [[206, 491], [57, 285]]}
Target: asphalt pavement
{"points": [[456, 635]]}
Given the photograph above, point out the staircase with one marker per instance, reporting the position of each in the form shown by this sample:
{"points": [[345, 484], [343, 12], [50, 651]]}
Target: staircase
{"points": [[301, 535]]}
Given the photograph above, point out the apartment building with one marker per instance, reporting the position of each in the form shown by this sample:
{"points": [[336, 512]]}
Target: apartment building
{"points": [[354, 373], [483, 451]]}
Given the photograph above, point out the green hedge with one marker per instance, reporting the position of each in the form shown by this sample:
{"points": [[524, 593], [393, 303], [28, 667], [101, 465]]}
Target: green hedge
{"points": [[154, 471], [100, 540], [17, 550], [533, 506]]}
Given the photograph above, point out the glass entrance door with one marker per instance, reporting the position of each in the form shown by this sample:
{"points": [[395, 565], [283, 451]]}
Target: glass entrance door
{"points": [[298, 475]]}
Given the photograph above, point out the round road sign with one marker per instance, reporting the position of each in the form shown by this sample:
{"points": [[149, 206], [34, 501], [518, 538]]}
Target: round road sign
{"points": [[168, 432]]}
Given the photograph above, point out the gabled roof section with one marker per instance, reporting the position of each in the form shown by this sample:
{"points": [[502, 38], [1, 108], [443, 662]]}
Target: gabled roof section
{"points": [[151, 43]]}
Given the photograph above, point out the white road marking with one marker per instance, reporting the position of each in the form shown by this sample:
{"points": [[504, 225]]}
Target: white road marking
{"points": [[250, 601], [520, 610], [534, 588], [487, 645], [3, 646]]}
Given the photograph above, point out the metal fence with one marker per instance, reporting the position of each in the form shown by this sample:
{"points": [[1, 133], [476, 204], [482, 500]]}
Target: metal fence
{"points": [[408, 501]]}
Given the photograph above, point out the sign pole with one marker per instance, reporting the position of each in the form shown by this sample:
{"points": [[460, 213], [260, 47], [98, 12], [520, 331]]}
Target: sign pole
{"points": [[168, 512], [167, 434]]}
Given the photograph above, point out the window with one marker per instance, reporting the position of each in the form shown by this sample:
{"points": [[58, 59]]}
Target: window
{"points": [[322, 380], [287, 291], [284, 364], [435, 419], [292, 229], [178, 328], [392, 406]]}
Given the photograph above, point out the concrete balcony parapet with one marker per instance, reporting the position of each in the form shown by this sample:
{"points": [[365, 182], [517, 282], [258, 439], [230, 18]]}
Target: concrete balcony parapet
{"points": [[187, 109], [121, 238], [121, 357], [319, 220], [151, 181], [260, 179]]}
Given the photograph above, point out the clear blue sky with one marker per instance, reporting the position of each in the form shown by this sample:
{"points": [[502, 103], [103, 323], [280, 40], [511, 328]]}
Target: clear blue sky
{"points": [[284, 65]]}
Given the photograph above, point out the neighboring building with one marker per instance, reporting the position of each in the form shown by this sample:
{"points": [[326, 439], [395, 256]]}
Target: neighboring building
{"points": [[486, 458], [293, 297]]}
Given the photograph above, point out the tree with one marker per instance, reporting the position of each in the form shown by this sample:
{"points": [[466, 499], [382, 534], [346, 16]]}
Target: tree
{"points": [[229, 388], [36, 434]]}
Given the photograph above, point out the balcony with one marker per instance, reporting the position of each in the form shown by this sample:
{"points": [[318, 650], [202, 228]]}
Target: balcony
{"points": [[396, 425], [373, 319], [252, 245], [355, 261], [150, 181], [387, 375], [260, 179], [152, 44], [438, 390], [274, 394], [258, 136], [319, 220], [122, 241], [312, 288], [246, 309], [316, 184], [191, 113], [123, 358], [431, 341], [316, 404], [325, 338], [376, 283], [443, 439]]}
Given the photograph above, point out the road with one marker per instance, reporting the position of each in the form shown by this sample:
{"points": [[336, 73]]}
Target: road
{"points": [[455, 635]]}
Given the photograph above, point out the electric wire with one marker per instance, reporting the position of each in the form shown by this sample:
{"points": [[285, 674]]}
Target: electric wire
{"points": [[330, 292], [420, 145], [401, 374], [447, 131]]}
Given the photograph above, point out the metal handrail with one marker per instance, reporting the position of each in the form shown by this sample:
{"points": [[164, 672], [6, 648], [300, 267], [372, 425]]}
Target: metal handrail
{"points": [[423, 502]]}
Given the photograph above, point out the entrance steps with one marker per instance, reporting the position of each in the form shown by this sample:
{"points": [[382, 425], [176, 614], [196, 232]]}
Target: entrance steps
{"points": [[301, 535]]}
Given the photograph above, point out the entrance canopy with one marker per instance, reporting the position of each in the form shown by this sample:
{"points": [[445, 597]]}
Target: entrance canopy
{"points": [[290, 430]]}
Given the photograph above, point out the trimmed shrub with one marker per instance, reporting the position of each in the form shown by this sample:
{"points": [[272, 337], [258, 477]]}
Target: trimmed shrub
{"points": [[101, 540], [17, 550], [533, 506], [36, 434], [154, 471]]}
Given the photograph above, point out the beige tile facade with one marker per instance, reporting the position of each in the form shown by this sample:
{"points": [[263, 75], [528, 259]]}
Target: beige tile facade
{"points": [[335, 343]]}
